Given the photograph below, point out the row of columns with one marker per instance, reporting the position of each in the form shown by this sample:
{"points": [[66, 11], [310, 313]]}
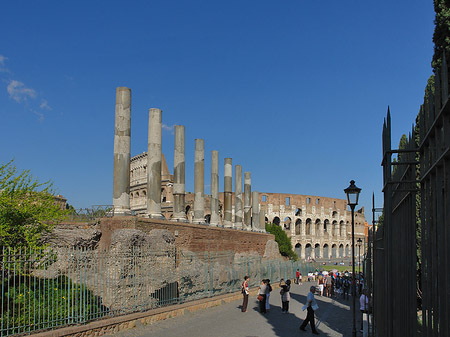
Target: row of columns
{"points": [[321, 249], [247, 210]]}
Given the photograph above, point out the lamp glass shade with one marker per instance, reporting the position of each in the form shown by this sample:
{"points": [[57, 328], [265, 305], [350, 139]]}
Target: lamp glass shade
{"points": [[352, 194]]}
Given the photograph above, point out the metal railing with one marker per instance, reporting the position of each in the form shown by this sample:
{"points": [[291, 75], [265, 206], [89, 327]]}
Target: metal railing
{"points": [[46, 289], [411, 246], [90, 214]]}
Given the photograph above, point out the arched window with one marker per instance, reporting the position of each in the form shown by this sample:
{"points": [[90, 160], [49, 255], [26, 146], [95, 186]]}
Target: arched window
{"points": [[308, 226], [298, 224]]}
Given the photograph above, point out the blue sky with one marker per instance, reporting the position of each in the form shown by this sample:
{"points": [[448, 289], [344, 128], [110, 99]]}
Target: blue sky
{"points": [[294, 91]]}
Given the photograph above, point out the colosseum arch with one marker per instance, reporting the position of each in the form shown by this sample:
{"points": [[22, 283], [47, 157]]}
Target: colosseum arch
{"points": [[208, 218], [341, 250], [308, 226], [347, 250], [317, 226], [298, 226], [308, 250], [298, 250], [276, 221], [317, 251], [298, 212], [342, 228], [334, 214], [326, 253], [287, 222], [333, 251], [326, 225], [335, 228]]}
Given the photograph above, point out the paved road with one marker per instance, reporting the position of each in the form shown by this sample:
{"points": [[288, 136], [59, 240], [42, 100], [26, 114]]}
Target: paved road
{"points": [[333, 318]]}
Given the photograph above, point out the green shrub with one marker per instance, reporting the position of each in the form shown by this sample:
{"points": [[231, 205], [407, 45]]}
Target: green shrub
{"points": [[284, 243]]}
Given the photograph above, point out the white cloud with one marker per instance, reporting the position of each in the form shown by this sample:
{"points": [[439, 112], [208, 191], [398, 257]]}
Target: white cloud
{"points": [[18, 92], [2, 64], [167, 127], [44, 105], [39, 114]]}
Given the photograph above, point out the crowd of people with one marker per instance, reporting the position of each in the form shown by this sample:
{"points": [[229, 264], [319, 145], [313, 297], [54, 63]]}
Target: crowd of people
{"points": [[332, 284]]}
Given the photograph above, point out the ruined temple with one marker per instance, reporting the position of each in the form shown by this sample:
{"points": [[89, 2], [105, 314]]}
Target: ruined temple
{"points": [[319, 227]]}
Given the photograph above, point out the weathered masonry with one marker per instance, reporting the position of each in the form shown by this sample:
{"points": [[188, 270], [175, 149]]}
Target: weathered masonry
{"points": [[319, 227]]}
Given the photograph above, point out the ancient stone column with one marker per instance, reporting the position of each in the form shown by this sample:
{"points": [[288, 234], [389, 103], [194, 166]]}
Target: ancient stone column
{"points": [[179, 175], [255, 211], [122, 149], [238, 197], [262, 219], [214, 188], [247, 200], [154, 159], [199, 182], [227, 194]]}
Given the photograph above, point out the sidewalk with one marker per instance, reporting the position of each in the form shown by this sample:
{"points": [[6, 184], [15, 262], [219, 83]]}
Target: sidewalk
{"points": [[333, 318]]}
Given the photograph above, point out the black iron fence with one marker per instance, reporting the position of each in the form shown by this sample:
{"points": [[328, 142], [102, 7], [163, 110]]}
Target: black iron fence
{"points": [[411, 246]]}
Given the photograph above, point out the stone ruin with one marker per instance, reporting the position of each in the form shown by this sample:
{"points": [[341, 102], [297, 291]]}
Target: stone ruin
{"points": [[246, 205]]}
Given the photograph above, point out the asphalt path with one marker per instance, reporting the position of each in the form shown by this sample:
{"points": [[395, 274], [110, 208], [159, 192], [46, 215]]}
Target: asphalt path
{"points": [[333, 318]]}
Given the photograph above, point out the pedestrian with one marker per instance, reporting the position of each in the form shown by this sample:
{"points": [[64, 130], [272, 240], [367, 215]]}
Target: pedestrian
{"points": [[310, 306], [245, 293], [262, 297], [332, 283], [346, 288], [285, 295], [297, 276], [268, 290], [338, 285], [363, 306], [320, 283], [300, 279]]}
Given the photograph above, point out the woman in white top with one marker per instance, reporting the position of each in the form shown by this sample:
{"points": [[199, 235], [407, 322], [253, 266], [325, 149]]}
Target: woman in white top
{"points": [[363, 306]]}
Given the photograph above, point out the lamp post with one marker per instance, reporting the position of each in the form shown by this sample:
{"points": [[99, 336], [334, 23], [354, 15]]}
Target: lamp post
{"points": [[352, 199], [359, 241]]}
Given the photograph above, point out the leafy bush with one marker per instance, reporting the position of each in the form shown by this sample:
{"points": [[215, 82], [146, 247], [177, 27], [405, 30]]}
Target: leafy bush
{"points": [[284, 243], [30, 303], [27, 208]]}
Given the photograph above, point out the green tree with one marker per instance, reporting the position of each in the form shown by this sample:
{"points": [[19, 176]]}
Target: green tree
{"points": [[441, 35], [27, 208], [284, 243]]}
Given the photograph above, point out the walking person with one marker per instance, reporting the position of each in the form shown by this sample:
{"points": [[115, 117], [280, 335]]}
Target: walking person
{"points": [[320, 283], [297, 276], [262, 297], [285, 295], [245, 293], [363, 306], [346, 288], [268, 290], [310, 305]]}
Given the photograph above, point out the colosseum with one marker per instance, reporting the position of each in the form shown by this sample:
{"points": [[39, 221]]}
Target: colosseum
{"points": [[319, 227]]}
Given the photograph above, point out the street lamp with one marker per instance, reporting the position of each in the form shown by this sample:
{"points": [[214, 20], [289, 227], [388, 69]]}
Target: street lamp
{"points": [[352, 200], [359, 241]]}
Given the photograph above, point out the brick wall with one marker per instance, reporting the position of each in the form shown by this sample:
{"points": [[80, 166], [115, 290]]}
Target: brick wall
{"points": [[196, 238]]}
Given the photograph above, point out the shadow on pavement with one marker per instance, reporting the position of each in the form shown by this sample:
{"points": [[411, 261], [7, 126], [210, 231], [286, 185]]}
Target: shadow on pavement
{"points": [[331, 318]]}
